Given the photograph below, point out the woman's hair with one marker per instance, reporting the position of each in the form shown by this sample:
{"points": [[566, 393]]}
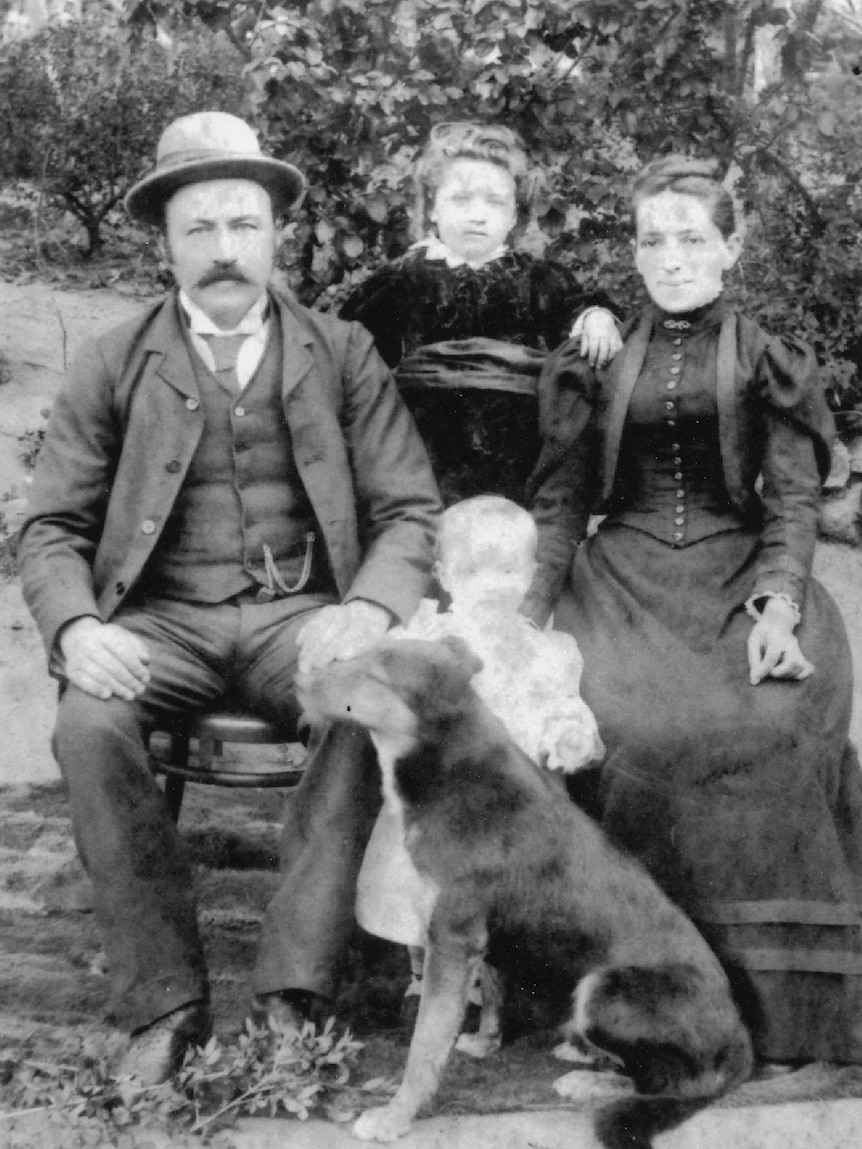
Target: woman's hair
{"points": [[687, 176], [464, 140], [458, 523]]}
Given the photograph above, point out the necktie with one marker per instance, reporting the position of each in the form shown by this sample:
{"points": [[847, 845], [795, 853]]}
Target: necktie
{"points": [[225, 349]]}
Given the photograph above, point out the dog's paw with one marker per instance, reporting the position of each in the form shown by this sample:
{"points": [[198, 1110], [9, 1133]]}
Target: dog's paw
{"points": [[387, 1123], [586, 1085], [574, 1054], [478, 1045]]}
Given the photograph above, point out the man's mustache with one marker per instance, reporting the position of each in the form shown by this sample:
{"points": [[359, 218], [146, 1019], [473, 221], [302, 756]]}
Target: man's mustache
{"points": [[220, 274]]}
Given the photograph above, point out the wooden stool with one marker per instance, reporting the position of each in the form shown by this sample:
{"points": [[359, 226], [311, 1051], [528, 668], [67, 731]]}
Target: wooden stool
{"points": [[211, 732]]}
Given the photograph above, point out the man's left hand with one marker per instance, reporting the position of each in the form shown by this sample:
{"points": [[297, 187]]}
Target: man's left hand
{"points": [[339, 632]]}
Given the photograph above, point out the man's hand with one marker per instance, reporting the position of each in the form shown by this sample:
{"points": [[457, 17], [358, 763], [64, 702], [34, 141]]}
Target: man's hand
{"points": [[773, 649], [339, 632], [600, 336], [104, 659]]}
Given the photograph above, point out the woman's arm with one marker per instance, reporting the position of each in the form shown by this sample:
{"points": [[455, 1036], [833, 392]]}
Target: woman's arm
{"points": [[562, 487], [797, 428]]}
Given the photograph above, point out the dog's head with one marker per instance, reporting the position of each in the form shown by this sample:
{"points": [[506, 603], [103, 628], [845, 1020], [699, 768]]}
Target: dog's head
{"points": [[395, 689]]}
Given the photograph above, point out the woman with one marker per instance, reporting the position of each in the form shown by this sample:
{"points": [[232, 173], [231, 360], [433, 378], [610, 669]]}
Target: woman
{"points": [[717, 668], [467, 322]]}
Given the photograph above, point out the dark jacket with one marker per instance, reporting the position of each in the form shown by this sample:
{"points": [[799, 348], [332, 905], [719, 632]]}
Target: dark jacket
{"points": [[775, 432], [125, 427]]}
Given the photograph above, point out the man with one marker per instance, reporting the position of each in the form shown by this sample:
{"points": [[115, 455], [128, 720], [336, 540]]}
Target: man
{"points": [[230, 489]]}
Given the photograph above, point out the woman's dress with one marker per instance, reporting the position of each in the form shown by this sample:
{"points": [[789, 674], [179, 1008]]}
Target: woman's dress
{"points": [[745, 802]]}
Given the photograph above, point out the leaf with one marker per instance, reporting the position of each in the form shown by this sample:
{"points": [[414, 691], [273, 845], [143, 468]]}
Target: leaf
{"points": [[826, 122], [352, 246]]}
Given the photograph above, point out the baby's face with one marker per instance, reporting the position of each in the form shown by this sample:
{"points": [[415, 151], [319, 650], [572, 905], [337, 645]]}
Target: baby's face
{"points": [[491, 574]]}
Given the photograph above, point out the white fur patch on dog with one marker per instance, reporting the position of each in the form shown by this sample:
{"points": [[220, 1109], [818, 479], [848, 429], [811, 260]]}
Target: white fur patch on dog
{"points": [[586, 1085]]}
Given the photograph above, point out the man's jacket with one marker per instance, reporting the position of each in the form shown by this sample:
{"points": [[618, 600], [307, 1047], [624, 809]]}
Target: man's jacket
{"points": [[126, 424]]}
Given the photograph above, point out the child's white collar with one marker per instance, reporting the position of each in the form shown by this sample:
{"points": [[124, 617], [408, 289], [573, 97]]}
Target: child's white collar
{"points": [[435, 248]]}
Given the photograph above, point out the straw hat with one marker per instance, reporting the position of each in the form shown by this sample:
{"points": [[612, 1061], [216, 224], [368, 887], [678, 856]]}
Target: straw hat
{"points": [[211, 146]]}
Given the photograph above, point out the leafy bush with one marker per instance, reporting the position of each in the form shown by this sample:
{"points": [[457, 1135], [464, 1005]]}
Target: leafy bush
{"points": [[348, 89], [81, 109]]}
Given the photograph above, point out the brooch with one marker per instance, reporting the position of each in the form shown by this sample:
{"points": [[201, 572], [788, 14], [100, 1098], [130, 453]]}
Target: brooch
{"points": [[676, 324]]}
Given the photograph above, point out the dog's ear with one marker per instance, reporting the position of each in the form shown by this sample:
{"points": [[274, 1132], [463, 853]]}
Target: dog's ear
{"points": [[466, 658]]}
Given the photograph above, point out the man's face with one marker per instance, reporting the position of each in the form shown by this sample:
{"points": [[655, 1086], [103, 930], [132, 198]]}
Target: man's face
{"points": [[221, 244]]}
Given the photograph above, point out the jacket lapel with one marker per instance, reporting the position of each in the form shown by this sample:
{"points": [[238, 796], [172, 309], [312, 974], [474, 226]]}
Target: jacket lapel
{"points": [[296, 339], [167, 339], [727, 403], [620, 380]]}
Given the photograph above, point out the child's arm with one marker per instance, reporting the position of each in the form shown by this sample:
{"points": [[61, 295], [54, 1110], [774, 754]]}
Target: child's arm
{"points": [[599, 333]]}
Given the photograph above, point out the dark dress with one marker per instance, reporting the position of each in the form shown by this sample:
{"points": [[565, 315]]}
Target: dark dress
{"points": [[473, 391], [744, 801]]}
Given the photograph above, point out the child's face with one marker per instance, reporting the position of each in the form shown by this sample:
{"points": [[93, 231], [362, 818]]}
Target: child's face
{"points": [[474, 208], [493, 572]]}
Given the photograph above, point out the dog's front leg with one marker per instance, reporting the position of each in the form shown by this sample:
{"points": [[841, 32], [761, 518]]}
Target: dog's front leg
{"points": [[451, 962]]}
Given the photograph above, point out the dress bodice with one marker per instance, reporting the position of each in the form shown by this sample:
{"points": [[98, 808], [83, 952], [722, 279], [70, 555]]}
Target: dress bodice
{"points": [[670, 480]]}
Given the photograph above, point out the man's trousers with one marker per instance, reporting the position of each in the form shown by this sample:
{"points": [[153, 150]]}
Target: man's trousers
{"points": [[142, 881]]}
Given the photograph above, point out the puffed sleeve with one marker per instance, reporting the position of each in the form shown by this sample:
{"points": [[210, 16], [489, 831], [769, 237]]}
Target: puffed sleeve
{"points": [[564, 483], [798, 430], [379, 303]]}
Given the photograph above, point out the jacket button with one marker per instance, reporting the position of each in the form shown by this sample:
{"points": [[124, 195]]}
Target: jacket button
{"points": [[148, 527], [173, 466], [120, 588], [192, 404]]}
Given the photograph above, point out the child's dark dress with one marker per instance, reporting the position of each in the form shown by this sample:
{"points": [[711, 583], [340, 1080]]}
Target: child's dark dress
{"points": [[474, 398]]}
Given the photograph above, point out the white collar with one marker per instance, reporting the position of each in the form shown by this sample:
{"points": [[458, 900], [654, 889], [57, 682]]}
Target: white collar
{"points": [[435, 248], [250, 324]]}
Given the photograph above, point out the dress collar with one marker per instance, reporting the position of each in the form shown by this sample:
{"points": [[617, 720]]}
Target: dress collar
{"points": [[436, 249], [201, 324], [691, 322]]}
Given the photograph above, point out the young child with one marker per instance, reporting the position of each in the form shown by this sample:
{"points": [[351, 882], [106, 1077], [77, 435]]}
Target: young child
{"points": [[486, 556], [467, 321]]}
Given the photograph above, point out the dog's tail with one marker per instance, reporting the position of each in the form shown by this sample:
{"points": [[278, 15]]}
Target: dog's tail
{"points": [[632, 1122]]}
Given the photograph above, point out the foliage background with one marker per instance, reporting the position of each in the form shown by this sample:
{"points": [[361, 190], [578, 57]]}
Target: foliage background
{"points": [[347, 90]]}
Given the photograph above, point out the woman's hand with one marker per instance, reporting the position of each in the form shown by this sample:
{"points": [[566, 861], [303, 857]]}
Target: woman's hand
{"points": [[773, 649], [600, 336]]}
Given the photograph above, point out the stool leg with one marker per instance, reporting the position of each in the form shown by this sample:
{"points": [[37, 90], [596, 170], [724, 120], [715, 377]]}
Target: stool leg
{"points": [[175, 784]]}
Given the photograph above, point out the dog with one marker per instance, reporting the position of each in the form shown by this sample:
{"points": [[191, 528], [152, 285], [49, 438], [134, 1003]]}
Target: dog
{"points": [[516, 872]]}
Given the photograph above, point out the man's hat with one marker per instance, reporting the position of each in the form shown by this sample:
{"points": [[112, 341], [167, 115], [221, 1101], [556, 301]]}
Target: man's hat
{"points": [[211, 146]]}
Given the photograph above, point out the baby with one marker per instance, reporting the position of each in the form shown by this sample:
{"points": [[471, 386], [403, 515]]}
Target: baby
{"points": [[486, 558]]}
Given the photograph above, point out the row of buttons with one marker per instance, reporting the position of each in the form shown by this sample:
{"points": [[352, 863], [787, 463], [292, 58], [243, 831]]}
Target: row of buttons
{"points": [[193, 405], [671, 407]]}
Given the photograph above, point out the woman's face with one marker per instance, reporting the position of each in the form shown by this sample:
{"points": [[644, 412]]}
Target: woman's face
{"points": [[680, 252], [474, 208]]}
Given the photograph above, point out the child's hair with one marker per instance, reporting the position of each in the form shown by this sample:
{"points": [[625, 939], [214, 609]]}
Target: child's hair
{"points": [[687, 176], [492, 143], [458, 522]]}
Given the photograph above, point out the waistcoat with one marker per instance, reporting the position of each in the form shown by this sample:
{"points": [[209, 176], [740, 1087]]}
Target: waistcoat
{"points": [[242, 517]]}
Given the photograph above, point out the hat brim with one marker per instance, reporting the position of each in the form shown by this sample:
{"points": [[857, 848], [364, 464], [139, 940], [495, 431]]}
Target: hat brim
{"points": [[146, 201]]}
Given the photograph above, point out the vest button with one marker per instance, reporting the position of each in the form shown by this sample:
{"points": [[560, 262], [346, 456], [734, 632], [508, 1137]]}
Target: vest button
{"points": [[677, 536], [240, 411], [120, 588], [173, 466], [148, 527], [192, 404]]}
